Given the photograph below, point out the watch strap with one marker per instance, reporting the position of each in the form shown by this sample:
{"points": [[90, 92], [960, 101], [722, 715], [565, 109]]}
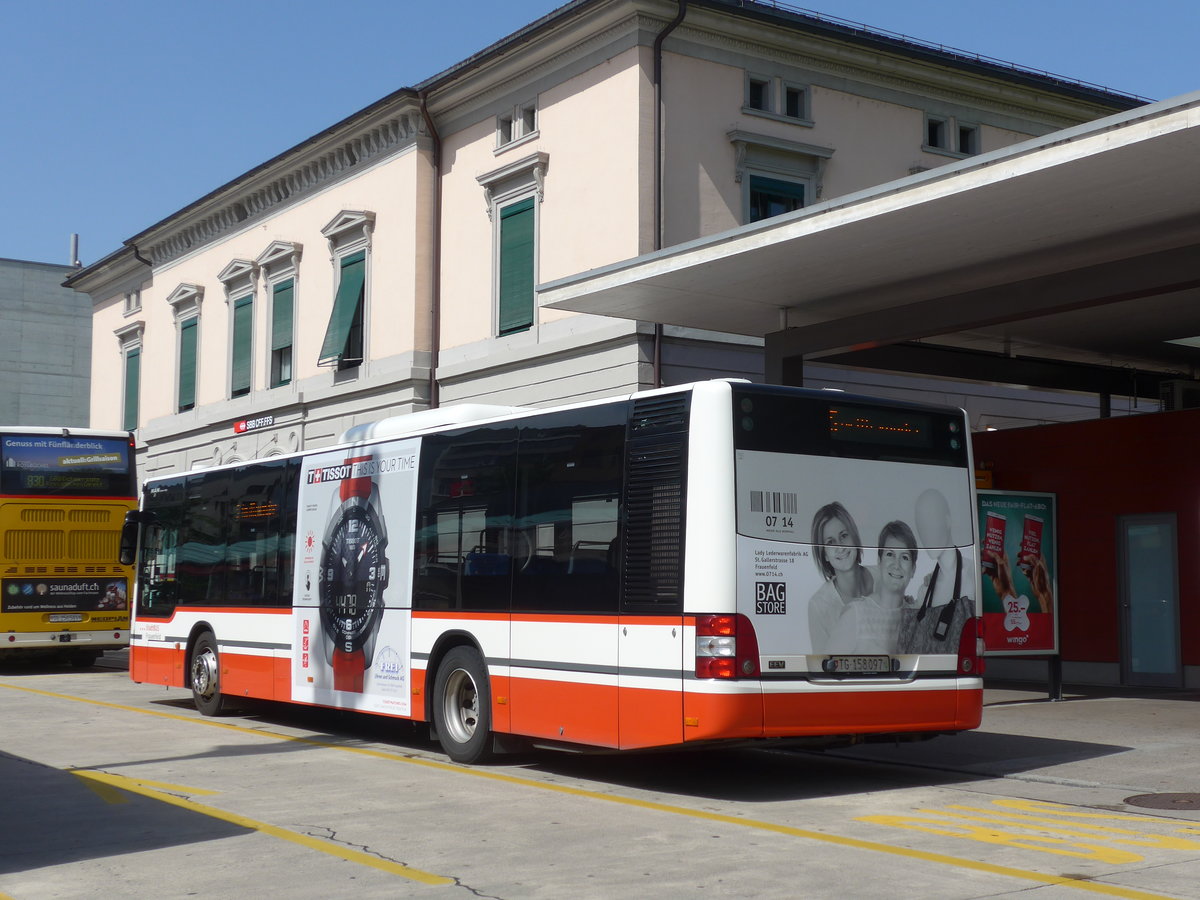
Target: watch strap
{"points": [[356, 487], [348, 670]]}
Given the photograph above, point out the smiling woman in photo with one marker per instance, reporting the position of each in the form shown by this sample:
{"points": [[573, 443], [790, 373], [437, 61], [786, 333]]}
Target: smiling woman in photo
{"points": [[837, 549]]}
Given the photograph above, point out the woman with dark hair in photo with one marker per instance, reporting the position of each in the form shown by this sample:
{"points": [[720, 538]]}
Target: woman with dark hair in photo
{"points": [[837, 550], [872, 624]]}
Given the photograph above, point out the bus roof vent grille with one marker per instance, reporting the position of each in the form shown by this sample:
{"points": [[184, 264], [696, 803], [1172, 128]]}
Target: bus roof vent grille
{"points": [[661, 414]]}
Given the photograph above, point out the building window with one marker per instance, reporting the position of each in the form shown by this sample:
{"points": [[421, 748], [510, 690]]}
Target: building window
{"points": [[758, 93], [516, 125], [515, 298], [185, 300], [243, 328], [133, 382], [968, 139], [189, 331], [795, 102], [280, 265], [282, 306], [773, 197], [129, 337], [343, 344], [776, 175], [947, 136], [132, 301], [774, 97]]}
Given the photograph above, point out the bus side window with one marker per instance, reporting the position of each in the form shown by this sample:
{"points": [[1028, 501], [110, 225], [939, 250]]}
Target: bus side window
{"points": [[568, 514], [464, 540], [261, 534], [200, 572]]}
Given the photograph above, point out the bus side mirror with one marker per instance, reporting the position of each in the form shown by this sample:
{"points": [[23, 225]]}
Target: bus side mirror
{"points": [[129, 537]]}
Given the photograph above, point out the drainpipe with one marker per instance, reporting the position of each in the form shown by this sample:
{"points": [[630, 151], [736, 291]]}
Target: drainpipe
{"points": [[435, 287], [658, 167]]}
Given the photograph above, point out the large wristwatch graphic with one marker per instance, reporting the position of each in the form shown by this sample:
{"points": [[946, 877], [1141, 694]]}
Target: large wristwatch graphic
{"points": [[354, 574]]}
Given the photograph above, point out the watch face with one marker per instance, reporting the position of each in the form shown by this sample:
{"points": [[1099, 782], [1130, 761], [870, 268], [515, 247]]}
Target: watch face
{"points": [[352, 578]]}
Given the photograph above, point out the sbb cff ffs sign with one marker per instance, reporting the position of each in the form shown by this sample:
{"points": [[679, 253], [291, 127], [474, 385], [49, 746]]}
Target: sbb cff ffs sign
{"points": [[253, 424]]}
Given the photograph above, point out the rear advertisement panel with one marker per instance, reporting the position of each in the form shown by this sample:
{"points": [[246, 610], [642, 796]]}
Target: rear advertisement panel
{"points": [[354, 559], [845, 557], [63, 594], [1017, 534]]}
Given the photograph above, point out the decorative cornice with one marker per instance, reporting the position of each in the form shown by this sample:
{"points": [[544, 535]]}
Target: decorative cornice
{"points": [[280, 254], [532, 166], [130, 333], [743, 140], [186, 298], [340, 228], [297, 175]]}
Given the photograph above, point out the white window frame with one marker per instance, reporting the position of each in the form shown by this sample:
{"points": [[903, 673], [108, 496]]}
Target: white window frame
{"points": [[279, 262], [240, 279], [132, 301], [351, 231], [952, 127], [775, 88], [778, 158], [511, 183], [185, 302], [517, 126], [130, 337]]}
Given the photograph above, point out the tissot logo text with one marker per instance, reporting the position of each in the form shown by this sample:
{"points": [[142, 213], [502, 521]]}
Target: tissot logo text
{"points": [[770, 598], [329, 473]]}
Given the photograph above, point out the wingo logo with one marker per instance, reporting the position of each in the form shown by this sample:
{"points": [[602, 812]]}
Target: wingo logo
{"points": [[770, 598]]}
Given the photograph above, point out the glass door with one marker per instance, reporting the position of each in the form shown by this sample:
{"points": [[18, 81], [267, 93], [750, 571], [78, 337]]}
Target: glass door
{"points": [[1149, 597]]}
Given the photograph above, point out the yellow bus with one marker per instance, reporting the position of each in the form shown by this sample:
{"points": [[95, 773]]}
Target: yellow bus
{"points": [[64, 493]]}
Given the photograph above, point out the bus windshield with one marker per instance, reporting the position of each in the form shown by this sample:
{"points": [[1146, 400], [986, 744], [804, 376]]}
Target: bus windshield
{"points": [[43, 465]]}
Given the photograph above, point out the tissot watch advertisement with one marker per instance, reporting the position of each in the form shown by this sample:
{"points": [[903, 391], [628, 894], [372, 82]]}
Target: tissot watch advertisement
{"points": [[1017, 537], [355, 555], [841, 559]]}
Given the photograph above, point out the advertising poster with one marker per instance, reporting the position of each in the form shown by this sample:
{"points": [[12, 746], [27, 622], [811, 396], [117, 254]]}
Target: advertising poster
{"points": [[840, 558], [1017, 543], [63, 594], [354, 565]]}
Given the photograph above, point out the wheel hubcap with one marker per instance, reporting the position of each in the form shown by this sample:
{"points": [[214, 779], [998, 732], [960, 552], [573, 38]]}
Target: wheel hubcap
{"points": [[204, 674], [461, 706]]}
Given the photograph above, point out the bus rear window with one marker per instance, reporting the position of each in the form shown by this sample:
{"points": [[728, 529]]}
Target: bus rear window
{"points": [[79, 466]]}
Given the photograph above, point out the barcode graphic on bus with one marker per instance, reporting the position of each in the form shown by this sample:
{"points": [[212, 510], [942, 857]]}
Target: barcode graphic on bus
{"points": [[772, 502]]}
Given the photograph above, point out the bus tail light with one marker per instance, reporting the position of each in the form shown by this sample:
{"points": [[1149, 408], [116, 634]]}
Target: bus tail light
{"points": [[970, 648], [726, 647]]}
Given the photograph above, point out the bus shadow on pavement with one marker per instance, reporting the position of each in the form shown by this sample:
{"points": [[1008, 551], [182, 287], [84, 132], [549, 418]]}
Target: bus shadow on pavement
{"points": [[66, 818]]}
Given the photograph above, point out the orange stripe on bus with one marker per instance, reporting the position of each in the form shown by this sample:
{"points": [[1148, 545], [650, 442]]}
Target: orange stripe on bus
{"points": [[866, 711], [564, 711]]}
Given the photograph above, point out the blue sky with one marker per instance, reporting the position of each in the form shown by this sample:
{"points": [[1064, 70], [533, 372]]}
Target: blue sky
{"points": [[116, 114]]}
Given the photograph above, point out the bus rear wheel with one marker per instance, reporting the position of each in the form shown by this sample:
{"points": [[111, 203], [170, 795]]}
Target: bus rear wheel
{"points": [[462, 706], [84, 659], [205, 676]]}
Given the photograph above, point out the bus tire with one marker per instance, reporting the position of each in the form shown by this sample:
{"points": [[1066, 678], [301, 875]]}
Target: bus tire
{"points": [[204, 676], [462, 706]]}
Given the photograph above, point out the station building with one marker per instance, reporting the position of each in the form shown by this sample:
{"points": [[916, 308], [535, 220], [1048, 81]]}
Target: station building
{"points": [[629, 193]]}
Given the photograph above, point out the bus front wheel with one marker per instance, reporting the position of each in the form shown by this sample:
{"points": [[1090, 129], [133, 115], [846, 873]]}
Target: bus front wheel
{"points": [[205, 676], [462, 710]]}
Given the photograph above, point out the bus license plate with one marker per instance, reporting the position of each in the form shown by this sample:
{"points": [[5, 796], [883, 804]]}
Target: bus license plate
{"points": [[858, 665], [66, 617]]}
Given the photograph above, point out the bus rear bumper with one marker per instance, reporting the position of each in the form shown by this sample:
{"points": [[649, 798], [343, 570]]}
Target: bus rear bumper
{"points": [[109, 639], [780, 711]]}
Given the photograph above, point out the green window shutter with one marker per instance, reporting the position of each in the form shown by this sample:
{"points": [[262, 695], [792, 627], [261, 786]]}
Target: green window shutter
{"points": [[281, 314], [133, 377], [243, 325], [347, 308], [516, 266], [187, 364]]}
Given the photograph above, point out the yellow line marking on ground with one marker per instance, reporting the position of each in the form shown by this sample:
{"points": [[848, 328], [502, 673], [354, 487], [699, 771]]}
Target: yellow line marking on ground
{"points": [[856, 843], [109, 795], [136, 786]]}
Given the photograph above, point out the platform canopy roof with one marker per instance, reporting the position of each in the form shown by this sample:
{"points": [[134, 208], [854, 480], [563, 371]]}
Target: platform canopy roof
{"points": [[1082, 246]]}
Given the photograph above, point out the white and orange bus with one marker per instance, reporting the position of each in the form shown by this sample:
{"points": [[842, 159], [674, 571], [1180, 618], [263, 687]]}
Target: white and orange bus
{"points": [[715, 562]]}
